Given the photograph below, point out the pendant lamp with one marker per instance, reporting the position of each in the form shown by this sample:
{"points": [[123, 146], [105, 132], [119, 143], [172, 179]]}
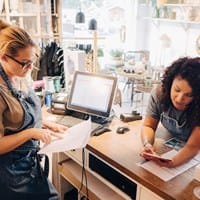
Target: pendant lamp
{"points": [[80, 17]]}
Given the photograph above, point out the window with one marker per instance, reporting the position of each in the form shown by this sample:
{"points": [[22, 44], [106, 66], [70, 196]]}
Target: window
{"points": [[113, 19]]}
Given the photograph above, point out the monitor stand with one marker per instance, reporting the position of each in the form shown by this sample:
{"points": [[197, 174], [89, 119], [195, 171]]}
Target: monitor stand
{"points": [[101, 120], [96, 119]]}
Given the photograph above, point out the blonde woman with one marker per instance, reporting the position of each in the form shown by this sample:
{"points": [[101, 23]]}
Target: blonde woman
{"points": [[21, 122]]}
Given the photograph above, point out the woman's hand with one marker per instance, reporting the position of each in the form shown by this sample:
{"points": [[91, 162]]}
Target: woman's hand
{"points": [[45, 135], [149, 150], [152, 155], [54, 126], [165, 163]]}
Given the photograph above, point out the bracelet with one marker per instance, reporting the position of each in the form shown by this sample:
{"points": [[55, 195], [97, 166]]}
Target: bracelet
{"points": [[147, 143]]}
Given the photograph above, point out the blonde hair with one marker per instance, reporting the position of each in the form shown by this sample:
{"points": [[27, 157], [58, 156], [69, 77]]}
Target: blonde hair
{"points": [[13, 38]]}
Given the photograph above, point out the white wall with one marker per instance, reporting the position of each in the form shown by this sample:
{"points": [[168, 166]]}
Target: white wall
{"points": [[182, 42], [182, 37]]}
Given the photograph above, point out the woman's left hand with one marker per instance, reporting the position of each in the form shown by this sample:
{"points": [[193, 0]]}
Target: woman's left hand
{"points": [[54, 126], [162, 163]]}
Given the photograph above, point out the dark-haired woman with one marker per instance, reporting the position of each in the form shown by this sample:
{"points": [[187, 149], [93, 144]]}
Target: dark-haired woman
{"points": [[176, 104]]}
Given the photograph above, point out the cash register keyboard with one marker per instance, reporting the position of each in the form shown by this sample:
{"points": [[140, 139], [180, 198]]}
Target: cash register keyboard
{"points": [[70, 121]]}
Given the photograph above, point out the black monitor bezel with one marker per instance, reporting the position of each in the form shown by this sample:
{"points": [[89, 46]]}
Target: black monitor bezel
{"points": [[90, 111]]}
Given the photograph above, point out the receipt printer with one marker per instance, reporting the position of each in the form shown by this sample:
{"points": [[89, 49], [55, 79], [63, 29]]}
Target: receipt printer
{"points": [[128, 117], [59, 103]]}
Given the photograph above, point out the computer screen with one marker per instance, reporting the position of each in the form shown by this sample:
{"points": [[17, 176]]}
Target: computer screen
{"points": [[92, 93]]}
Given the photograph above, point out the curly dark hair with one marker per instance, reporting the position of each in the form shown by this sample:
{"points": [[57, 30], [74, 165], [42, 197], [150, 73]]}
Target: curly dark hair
{"points": [[188, 69]]}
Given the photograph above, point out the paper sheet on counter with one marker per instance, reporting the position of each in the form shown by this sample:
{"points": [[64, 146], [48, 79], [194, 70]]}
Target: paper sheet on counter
{"points": [[165, 173], [74, 138]]}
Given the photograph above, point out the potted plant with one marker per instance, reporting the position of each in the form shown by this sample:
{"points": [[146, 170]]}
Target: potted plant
{"points": [[116, 54]]}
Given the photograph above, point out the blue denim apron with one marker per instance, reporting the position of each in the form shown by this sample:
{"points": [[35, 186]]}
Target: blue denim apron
{"points": [[19, 167], [175, 128]]}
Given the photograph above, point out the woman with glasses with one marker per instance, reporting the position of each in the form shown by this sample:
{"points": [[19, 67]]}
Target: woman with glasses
{"points": [[176, 104], [21, 126]]}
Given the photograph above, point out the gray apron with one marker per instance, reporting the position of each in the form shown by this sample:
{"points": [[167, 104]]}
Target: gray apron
{"points": [[175, 128], [21, 175]]}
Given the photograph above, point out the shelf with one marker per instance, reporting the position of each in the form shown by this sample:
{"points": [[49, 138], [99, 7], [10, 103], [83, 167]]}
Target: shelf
{"points": [[176, 13], [97, 190], [174, 21], [181, 5], [23, 15], [185, 24]]}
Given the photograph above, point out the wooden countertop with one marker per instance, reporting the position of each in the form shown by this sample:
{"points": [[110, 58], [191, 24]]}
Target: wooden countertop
{"points": [[122, 152]]}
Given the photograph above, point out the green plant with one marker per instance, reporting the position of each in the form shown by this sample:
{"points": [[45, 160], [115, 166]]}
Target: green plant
{"points": [[116, 53], [100, 52]]}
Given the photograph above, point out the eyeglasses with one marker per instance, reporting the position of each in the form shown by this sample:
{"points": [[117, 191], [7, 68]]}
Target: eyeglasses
{"points": [[23, 64]]}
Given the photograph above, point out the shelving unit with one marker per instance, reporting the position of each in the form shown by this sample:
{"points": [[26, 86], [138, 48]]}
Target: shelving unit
{"points": [[187, 14], [97, 189], [70, 173], [39, 17]]}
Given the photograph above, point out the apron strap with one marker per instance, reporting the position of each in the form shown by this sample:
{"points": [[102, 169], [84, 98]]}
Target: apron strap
{"points": [[44, 172], [7, 81]]}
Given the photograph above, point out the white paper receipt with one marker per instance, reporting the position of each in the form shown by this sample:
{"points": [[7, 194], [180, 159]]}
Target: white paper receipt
{"points": [[74, 138], [165, 173]]}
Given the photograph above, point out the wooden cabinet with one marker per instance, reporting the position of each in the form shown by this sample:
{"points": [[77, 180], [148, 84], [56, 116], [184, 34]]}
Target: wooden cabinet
{"points": [[39, 17], [144, 193]]}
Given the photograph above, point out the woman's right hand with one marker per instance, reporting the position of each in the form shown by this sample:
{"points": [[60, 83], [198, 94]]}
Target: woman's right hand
{"points": [[148, 149]]}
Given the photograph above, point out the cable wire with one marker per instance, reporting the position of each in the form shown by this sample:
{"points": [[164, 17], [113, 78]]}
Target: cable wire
{"points": [[84, 175]]}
